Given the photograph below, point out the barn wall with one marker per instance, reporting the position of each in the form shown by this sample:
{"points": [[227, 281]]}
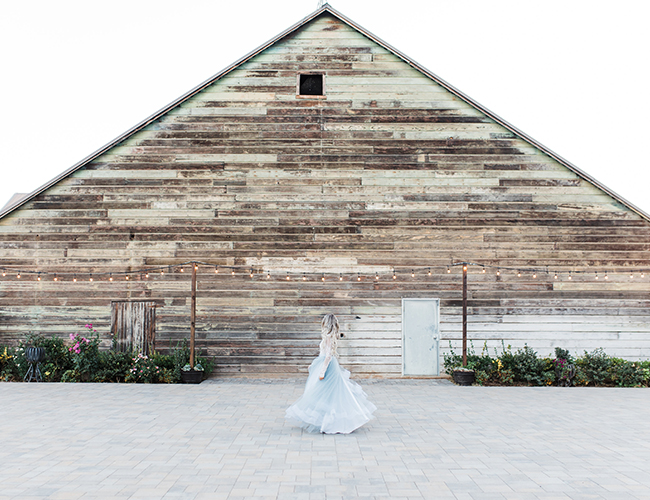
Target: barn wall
{"points": [[389, 171]]}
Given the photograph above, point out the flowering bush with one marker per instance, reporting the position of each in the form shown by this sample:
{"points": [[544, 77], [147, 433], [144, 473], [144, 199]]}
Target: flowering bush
{"points": [[85, 356], [79, 359], [564, 371], [144, 370]]}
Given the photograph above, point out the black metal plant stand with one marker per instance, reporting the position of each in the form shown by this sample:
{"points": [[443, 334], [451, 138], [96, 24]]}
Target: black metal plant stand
{"points": [[34, 356]]}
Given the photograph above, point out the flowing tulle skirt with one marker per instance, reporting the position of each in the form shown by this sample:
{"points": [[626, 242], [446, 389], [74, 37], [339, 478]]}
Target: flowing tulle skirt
{"points": [[334, 405]]}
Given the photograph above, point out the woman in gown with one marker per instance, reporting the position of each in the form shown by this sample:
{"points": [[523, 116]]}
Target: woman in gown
{"points": [[331, 403]]}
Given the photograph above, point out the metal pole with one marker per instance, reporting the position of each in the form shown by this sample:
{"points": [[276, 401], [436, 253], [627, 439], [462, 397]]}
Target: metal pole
{"points": [[464, 314], [193, 314]]}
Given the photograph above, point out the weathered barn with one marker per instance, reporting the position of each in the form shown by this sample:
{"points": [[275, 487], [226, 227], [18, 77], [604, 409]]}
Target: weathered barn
{"points": [[327, 172]]}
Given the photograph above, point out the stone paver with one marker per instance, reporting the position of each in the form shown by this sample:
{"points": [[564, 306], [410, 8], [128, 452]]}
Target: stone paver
{"points": [[227, 438]]}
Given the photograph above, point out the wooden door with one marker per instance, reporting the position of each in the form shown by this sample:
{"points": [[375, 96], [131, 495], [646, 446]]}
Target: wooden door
{"points": [[420, 337], [134, 325]]}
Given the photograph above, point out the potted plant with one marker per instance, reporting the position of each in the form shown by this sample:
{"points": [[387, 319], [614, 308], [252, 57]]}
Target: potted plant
{"points": [[463, 375], [191, 375]]}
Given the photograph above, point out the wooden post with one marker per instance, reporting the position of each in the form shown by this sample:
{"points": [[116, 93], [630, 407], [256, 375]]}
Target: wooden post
{"points": [[464, 314], [193, 314]]}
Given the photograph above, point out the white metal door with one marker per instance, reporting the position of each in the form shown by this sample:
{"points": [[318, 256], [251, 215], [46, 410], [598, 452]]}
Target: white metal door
{"points": [[420, 337]]}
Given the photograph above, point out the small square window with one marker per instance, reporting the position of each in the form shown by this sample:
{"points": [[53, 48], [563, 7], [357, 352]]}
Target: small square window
{"points": [[311, 85]]}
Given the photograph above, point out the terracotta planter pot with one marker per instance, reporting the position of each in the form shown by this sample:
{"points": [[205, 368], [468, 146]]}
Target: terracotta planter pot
{"points": [[192, 377], [463, 377]]}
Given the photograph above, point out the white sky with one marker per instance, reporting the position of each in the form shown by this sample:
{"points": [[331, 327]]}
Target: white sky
{"points": [[573, 74]]}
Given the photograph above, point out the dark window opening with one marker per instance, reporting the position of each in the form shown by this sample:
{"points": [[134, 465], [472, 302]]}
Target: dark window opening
{"points": [[311, 85]]}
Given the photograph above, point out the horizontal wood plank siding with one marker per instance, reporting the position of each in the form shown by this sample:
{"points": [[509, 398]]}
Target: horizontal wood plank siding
{"points": [[389, 170]]}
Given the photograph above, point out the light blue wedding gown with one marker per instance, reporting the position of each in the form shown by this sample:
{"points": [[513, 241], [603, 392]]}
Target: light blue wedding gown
{"points": [[334, 405]]}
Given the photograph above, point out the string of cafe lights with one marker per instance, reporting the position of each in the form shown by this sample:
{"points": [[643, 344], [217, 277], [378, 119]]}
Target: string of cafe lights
{"points": [[267, 274]]}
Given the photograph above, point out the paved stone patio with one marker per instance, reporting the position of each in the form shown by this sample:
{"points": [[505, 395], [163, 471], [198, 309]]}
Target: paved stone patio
{"points": [[227, 438]]}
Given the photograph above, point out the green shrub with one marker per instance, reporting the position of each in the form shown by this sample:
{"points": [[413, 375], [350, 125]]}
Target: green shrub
{"points": [[58, 358], [82, 361], [180, 356], [208, 365], [525, 366], [625, 373], [451, 360], [20, 364], [113, 366], [9, 370], [593, 368]]}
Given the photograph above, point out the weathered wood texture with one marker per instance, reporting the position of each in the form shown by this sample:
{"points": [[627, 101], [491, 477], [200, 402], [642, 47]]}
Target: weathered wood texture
{"points": [[133, 324], [390, 170]]}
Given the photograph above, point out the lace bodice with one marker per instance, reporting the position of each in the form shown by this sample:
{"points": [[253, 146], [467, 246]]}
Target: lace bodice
{"points": [[327, 347]]}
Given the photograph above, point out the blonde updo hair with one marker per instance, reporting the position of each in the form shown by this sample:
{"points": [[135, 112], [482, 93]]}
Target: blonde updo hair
{"points": [[329, 328]]}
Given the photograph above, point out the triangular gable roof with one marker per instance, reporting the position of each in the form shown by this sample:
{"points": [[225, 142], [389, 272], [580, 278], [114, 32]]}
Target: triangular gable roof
{"points": [[326, 8]]}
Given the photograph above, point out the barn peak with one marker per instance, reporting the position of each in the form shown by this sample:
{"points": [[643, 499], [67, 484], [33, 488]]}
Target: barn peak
{"points": [[323, 9]]}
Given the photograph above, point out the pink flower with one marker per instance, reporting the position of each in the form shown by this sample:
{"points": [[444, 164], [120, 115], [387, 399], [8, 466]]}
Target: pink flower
{"points": [[72, 336]]}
